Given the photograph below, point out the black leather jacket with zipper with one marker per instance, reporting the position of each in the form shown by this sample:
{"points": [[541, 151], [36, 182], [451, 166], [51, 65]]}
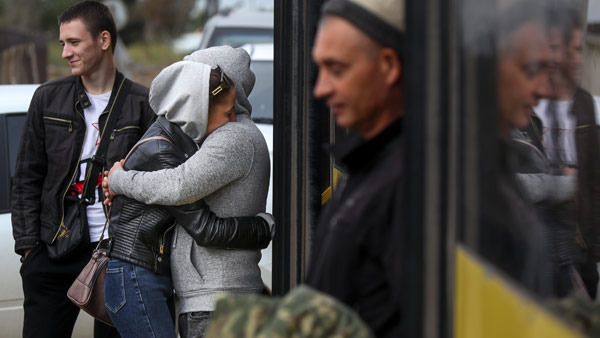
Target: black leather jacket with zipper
{"points": [[51, 145], [141, 234]]}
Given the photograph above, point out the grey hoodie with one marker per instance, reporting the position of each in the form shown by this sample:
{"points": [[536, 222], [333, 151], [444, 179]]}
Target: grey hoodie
{"points": [[180, 93], [235, 62], [231, 173]]}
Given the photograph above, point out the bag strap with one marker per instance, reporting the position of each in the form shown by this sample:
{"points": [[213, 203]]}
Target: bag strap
{"points": [[140, 142], [99, 158], [103, 229]]}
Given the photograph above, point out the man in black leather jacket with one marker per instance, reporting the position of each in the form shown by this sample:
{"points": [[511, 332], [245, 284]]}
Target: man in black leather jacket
{"points": [[64, 123]]}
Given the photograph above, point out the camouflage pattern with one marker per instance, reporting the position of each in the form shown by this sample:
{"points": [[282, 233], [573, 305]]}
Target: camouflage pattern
{"points": [[303, 312], [580, 312]]}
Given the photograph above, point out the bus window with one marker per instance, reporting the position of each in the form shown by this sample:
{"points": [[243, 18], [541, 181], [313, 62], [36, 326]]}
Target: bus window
{"points": [[530, 218]]}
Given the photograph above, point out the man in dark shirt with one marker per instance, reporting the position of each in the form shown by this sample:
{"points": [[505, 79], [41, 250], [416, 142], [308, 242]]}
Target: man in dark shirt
{"points": [[358, 49]]}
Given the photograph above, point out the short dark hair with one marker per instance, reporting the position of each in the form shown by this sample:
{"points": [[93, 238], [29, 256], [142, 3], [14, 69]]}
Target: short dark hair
{"points": [[214, 82], [95, 16]]}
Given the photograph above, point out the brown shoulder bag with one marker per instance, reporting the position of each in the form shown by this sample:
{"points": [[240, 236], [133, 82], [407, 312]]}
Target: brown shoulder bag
{"points": [[87, 291]]}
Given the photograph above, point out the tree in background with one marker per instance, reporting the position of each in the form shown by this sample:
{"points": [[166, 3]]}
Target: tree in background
{"points": [[150, 20], [19, 16], [164, 19], [151, 27]]}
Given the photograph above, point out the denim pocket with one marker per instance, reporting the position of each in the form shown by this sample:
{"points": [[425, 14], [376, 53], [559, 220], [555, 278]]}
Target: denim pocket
{"points": [[114, 290]]}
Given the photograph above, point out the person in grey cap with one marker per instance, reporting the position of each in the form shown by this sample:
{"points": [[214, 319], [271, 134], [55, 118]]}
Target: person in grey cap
{"points": [[231, 173], [355, 255]]}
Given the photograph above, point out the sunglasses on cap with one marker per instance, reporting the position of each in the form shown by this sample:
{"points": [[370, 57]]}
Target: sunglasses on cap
{"points": [[223, 84]]}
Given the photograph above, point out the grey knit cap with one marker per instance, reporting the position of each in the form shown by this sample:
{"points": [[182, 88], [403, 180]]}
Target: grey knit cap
{"points": [[382, 20], [235, 62]]}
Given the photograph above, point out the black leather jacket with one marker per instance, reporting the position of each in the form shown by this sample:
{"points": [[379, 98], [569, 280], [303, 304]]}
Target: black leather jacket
{"points": [[141, 234], [50, 150]]}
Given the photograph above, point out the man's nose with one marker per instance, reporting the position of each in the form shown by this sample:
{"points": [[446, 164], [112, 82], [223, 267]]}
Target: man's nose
{"points": [[543, 87], [66, 52], [322, 87]]}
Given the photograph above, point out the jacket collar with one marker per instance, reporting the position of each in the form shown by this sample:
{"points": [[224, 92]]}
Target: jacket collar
{"points": [[356, 152], [82, 99], [174, 132]]}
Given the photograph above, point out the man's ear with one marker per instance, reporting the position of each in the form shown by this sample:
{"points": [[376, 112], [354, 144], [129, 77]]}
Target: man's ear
{"points": [[390, 64], [105, 39]]}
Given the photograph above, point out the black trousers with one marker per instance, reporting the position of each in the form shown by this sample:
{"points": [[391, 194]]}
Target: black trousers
{"points": [[48, 311]]}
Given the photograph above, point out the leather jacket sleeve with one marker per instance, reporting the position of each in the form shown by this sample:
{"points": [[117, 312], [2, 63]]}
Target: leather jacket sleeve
{"points": [[208, 230], [28, 180], [252, 232]]}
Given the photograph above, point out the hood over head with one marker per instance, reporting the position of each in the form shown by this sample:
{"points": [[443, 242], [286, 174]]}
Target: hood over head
{"points": [[180, 93], [235, 62]]}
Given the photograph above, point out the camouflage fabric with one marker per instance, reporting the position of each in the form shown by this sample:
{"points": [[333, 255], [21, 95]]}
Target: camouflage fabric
{"points": [[580, 312], [303, 312]]}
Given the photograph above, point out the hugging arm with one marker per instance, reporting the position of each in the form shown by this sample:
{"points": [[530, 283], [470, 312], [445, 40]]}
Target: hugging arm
{"points": [[546, 187], [209, 230], [252, 232], [225, 156]]}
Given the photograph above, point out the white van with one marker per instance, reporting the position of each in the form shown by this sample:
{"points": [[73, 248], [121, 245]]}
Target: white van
{"points": [[261, 99], [14, 102], [237, 28]]}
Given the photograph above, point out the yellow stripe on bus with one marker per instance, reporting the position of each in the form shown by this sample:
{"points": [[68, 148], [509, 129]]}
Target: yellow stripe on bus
{"points": [[488, 305], [326, 195]]}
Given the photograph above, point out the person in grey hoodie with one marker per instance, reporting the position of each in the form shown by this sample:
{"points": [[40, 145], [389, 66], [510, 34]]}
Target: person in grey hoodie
{"points": [[192, 100], [231, 173]]}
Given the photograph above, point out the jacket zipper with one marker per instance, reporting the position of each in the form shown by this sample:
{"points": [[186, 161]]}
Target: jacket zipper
{"points": [[112, 136], [70, 122], [163, 239], [62, 220]]}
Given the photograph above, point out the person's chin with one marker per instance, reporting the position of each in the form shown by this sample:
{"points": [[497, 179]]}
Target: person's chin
{"points": [[76, 71], [340, 117], [526, 114], [523, 123], [343, 123]]}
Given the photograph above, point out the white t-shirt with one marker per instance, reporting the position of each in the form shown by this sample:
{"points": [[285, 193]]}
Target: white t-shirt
{"points": [[95, 212], [566, 131]]}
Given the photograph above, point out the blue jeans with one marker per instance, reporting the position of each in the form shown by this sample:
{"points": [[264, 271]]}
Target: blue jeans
{"points": [[139, 302]]}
